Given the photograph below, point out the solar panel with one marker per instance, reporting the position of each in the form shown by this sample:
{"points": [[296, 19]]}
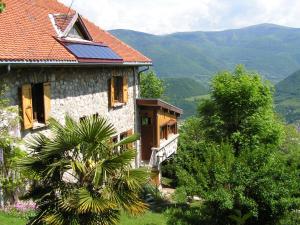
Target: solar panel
{"points": [[90, 51]]}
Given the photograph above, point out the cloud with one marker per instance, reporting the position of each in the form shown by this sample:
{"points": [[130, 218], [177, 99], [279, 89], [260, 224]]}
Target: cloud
{"points": [[167, 16]]}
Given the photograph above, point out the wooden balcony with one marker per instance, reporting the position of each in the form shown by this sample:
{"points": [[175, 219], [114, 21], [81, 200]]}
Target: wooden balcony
{"points": [[167, 148], [159, 134], [158, 122]]}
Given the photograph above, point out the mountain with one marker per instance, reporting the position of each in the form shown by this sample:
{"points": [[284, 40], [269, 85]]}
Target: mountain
{"points": [[181, 87], [184, 93], [272, 50], [287, 97]]}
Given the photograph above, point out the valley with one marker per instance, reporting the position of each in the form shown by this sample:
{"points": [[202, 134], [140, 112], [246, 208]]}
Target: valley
{"points": [[188, 60]]}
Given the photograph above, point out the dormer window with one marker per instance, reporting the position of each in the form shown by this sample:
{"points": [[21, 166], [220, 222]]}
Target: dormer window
{"points": [[78, 31], [75, 37], [70, 26]]}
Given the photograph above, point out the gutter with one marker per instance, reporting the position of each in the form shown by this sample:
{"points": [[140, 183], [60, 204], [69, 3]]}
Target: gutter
{"points": [[70, 63], [139, 73]]}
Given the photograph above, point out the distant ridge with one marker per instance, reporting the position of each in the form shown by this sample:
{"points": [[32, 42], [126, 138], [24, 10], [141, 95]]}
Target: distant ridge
{"points": [[288, 97], [270, 49]]}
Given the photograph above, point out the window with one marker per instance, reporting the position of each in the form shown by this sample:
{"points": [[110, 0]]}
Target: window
{"points": [[35, 104], [79, 31], [146, 121], [167, 129], [124, 136], [38, 103], [114, 141], [118, 87], [76, 33], [173, 129], [118, 90], [164, 132]]}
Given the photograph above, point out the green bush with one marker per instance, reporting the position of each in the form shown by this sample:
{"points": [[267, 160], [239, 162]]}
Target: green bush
{"points": [[237, 156], [292, 218]]}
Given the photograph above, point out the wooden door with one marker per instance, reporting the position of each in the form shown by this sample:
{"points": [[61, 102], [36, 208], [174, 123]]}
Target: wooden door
{"points": [[147, 136]]}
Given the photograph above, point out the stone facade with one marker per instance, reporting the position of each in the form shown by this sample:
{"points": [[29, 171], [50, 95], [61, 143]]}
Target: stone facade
{"points": [[79, 92]]}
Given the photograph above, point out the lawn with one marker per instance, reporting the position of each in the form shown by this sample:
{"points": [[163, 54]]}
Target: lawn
{"points": [[149, 218], [10, 220]]}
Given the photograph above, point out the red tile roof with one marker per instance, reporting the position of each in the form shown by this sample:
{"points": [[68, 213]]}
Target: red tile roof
{"points": [[63, 20], [27, 34]]}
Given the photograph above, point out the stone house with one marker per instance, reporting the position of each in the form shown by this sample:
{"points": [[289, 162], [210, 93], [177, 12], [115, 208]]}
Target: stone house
{"points": [[56, 62]]}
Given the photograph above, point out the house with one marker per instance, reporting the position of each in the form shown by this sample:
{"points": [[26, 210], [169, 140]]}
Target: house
{"points": [[56, 62]]}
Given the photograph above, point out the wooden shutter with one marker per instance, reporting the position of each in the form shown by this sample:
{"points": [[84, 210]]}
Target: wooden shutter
{"points": [[129, 133], [27, 110], [125, 89], [47, 101], [111, 92]]}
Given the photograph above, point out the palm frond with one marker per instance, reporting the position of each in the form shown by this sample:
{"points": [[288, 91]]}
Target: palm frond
{"points": [[55, 218], [93, 129], [128, 200], [105, 181], [120, 161], [92, 204], [98, 174], [78, 167], [109, 217], [36, 142], [135, 178], [128, 140]]}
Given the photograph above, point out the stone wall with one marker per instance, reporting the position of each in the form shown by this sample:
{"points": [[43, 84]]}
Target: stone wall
{"points": [[79, 92]]}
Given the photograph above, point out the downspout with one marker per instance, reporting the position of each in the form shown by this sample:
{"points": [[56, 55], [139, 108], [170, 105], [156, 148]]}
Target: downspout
{"points": [[137, 128], [139, 74]]}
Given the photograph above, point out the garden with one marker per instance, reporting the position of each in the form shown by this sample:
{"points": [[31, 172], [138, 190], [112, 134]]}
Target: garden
{"points": [[237, 164]]}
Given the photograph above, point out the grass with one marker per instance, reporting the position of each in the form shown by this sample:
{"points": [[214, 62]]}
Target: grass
{"points": [[149, 218], [10, 220], [167, 181]]}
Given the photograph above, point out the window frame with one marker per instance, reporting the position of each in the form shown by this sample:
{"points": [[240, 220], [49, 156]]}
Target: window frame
{"points": [[29, 106], [163, 132], [121, 87], [123, 136], [118, 89]]}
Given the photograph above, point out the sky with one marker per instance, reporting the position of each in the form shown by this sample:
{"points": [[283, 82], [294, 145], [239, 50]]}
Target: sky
{"points": [[169, 16]]}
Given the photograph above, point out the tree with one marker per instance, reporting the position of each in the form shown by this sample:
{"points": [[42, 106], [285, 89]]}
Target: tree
{"points": [[151, 86], [12, 181], [233, 154], [2, 6], [241, 111], [81, 177]]}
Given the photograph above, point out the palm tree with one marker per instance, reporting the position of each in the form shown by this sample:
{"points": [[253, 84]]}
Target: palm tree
{"points": [[81, 179]]}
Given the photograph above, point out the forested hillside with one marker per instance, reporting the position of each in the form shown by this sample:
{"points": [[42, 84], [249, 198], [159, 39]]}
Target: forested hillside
{"points": [[185, 93], [194, 57], [272, 50], [287, 97]]}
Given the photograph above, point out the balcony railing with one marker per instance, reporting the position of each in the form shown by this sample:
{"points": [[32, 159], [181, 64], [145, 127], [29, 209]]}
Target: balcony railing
{"points": [[166, 149]]}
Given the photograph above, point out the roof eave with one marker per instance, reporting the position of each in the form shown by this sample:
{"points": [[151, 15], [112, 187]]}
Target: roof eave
{"points": [[138, 63], [155, 102], [70, 63]]}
